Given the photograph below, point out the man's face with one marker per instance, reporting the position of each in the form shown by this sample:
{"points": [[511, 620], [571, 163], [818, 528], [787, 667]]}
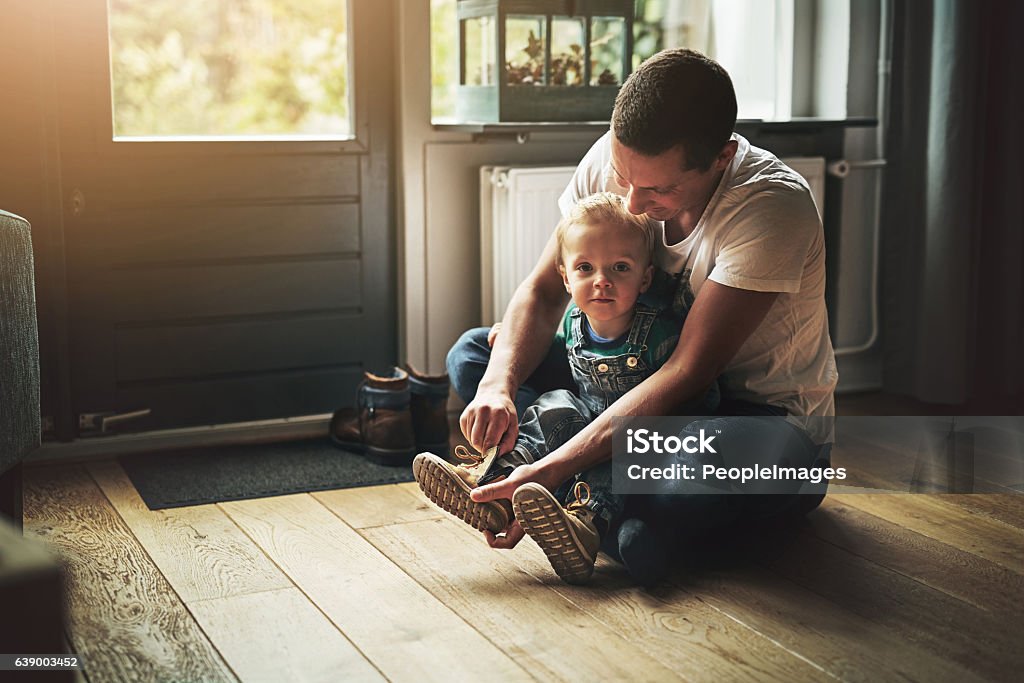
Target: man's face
{"points": [[658, 185]]}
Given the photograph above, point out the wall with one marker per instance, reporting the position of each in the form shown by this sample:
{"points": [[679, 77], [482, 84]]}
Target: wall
{"points": [[855, 294], [30, 183]]}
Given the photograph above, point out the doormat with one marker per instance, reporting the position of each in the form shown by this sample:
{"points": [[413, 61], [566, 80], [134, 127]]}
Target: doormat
{"points": [[197, 476]]}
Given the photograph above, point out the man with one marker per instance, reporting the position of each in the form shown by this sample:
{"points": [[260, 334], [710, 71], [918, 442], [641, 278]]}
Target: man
{"points": [[739, 229]]}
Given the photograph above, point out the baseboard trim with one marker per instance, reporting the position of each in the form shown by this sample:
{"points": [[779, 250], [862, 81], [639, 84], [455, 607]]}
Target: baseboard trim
{"points": [[262, 431]]}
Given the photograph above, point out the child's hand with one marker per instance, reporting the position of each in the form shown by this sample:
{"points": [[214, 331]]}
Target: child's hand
{"points": [[493, 334]]}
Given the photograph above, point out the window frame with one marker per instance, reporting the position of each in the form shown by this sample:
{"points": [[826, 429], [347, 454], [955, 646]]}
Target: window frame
{"points": [[357, 142]]}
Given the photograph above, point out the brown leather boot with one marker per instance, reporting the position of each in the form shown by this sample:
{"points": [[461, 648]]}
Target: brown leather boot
{"points": [[381, 424], [448, 486], [429, 408]]}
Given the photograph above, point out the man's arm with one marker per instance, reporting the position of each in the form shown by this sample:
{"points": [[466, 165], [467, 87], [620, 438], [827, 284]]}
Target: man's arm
{"points": [[526, 334], [722, 318]]}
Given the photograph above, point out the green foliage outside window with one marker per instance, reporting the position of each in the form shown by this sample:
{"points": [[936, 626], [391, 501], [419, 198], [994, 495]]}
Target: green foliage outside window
{"points": [[229, 68]]}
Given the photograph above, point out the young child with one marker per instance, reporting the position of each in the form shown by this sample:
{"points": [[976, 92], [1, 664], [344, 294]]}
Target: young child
{"points": [[614, 339]]}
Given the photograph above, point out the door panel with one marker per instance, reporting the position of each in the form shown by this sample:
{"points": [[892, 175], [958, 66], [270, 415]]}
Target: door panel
{"points": [[186, 233], [182, 352], [210, 175], [140, 295], [223, 281]]}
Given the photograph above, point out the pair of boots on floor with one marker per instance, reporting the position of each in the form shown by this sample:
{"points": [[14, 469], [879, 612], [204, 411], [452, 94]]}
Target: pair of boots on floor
{"points": [[397, 414], [570, 536]]}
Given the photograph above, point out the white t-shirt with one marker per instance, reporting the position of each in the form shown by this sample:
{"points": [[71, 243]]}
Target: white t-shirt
{"points": [[761, 232]]}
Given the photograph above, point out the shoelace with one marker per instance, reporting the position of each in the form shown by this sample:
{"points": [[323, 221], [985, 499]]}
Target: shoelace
{"points": [[582, 493], [469, 457]]}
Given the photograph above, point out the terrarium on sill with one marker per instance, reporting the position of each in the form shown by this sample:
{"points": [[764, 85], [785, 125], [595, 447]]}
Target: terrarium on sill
{"points": [[542, 60]]}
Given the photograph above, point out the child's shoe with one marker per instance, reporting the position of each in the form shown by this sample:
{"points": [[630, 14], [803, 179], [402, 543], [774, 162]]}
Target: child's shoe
{"points": [[568, 536], [448, 486]]}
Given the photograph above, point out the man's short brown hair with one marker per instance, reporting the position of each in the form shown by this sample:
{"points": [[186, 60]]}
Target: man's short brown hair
{"points": [[677, 97]]}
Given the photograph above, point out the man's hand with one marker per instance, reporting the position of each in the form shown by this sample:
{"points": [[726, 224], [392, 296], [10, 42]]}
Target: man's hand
{"points": [[490, 420], [504, 489], [508, 539]]}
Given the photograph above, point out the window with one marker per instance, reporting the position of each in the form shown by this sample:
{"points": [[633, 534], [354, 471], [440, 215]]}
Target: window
{"points": [[232, 69], [763, 44]]}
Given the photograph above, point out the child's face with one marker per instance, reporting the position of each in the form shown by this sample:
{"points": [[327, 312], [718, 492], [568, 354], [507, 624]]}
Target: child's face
{"points": [[605, 267]]}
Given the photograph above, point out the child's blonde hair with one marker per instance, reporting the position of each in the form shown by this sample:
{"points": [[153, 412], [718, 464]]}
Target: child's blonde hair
{"points": [[605, 207]]}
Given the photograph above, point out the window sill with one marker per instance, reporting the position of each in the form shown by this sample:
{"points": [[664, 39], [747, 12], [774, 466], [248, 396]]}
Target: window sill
{"points": [[521, 131]]}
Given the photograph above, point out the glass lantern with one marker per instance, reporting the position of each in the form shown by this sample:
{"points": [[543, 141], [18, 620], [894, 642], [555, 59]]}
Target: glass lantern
{"points": [[542, 60]]}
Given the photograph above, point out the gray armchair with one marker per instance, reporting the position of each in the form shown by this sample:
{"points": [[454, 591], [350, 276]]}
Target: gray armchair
{"points": [[19, 360]]}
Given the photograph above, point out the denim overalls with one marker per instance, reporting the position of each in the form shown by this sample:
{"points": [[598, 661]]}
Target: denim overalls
{"points": [[603, 379], [556, 416]]}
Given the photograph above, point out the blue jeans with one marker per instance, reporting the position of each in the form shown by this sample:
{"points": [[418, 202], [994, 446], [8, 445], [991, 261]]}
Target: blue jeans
{"points": [[679, 515], [554, 418], [542, 431], [468, 359], [739, 429]]}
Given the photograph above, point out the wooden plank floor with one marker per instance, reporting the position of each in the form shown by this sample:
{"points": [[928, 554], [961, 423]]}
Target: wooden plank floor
{"points": [[376, 584]]}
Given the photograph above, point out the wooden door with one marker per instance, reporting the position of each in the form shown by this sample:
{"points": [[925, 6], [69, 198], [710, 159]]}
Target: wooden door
{"points": [[218, 281]]}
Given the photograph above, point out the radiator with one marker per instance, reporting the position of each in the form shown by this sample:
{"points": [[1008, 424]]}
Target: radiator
{"points": [[519, 211], [518, 214]]}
